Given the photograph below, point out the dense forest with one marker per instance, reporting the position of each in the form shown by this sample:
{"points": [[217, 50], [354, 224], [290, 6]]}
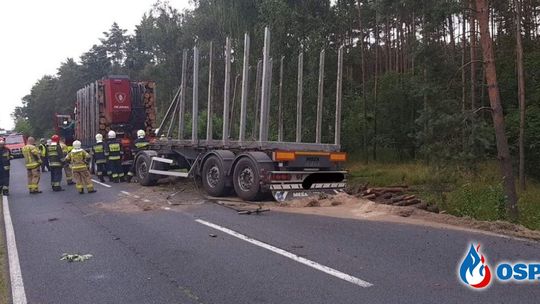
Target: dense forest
{"points": [[414, 79]]}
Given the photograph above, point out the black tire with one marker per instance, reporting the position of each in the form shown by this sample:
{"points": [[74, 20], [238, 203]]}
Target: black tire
{"points": [[213, 177], [141, 171], [246, 180]]}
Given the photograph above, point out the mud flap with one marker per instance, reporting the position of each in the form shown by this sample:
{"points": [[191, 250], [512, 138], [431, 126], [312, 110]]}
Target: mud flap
{"points": [[288, 195]]}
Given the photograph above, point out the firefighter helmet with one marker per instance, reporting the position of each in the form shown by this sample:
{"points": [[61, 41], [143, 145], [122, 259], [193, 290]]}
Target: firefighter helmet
{"points": [[76, 144], [99, 137], [141, 134], [55, 138], [111, 134]]}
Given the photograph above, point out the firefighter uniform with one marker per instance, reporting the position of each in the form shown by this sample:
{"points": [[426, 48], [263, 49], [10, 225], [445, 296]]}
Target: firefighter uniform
{"points": [[113, 152], [67, 170], [55, 155], [78, 162], [5, 158], [44, 158], [32, 161], [139, 144], [98, 154]]}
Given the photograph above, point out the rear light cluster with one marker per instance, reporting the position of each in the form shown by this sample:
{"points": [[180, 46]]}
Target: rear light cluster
{"points": [[283, 156], [280, 177]]}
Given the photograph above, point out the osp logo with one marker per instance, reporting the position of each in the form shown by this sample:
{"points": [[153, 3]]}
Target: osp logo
{"points": [[475, 272]]}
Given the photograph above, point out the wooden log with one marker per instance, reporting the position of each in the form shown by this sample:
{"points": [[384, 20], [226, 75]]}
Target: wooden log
{"points": [[408, 202], [370, 196], [398, 198], [409, 197], [387, 195], [388, 189]]}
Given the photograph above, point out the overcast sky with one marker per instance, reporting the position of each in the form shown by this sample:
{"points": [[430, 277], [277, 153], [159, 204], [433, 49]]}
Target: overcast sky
{"points": [[37, 35]]}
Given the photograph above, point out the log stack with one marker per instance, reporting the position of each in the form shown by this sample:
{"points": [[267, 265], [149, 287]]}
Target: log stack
{"points": [[149, 101], [394, 195]]}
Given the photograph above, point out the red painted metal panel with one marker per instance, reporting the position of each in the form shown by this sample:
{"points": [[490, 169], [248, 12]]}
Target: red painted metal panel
{"points": [[117, 100]]}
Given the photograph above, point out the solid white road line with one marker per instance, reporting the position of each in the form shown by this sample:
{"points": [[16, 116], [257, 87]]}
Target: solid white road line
{"points": [[100, 183], [15, 275], [292, 256]]}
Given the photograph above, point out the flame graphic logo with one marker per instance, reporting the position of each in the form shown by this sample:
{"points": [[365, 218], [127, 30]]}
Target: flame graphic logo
{"points": [[473, 270]]}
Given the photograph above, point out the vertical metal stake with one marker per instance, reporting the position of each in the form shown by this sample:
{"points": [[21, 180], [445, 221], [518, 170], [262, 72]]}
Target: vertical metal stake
{"points": [[280, 101], [181, 120], [209, 123], [320, 98], [226, 91], [257, 98], [195, 108], [263, 128], [245, 87], [339, 86], [299, 97]]}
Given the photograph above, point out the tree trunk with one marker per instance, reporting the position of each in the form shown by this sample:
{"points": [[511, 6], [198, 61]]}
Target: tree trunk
{"points": [[464, 77], [375, 89], [521, 95], [363, 66], [482, 12], [472, 23]]}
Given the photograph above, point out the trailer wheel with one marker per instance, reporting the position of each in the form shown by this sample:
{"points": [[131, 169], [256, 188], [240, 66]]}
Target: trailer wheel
{"points": [[246, 180], [213, 177], [141, 170]]}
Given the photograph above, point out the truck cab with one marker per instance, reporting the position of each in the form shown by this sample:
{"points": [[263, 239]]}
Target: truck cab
{"points": [[14, 143]]}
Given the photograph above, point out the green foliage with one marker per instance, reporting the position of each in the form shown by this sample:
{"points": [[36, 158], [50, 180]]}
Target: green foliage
{"points": [[457, 190]]}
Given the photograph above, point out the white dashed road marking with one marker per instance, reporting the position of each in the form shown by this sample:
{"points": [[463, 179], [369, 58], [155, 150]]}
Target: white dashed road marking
{"points": [[15, 275], [100, 183], [292, 256]]}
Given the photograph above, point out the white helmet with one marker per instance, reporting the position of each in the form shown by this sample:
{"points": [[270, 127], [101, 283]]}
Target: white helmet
{"points": [[99, 137], [141, 134], [76, 144], [111, 134]]}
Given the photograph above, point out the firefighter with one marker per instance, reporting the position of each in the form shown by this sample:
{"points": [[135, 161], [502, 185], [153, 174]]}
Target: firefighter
{"points": [[32, 160], [141, 143], [55, 154], [43, 151], [113, 151], [98, 154], [5, 158], [78, 159], [67, 170]]}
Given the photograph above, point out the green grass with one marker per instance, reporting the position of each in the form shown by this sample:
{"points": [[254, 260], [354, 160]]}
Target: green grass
{"points": [[3, 264], [459, 191]]}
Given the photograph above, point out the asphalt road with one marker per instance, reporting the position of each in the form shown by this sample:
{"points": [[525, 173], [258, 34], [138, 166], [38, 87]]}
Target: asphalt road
{"points": [[168, 255]]}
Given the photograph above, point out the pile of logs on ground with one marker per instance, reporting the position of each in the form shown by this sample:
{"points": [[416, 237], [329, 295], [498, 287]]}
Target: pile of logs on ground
{"points": [[394, 195]]}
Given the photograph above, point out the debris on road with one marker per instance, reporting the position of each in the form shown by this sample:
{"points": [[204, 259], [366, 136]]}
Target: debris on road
{"points": [[212, 235], [75, 257], [54, 219]]}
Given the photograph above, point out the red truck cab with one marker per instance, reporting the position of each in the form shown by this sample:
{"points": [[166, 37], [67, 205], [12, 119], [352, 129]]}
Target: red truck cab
{"points": [[15, 142]]}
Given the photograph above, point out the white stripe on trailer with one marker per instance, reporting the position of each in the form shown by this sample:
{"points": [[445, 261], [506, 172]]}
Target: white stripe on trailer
{"points": [[168, 173], [162, 160]]}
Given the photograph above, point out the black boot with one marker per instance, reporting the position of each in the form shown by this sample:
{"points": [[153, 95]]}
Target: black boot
{"points": [[92, 191], [81, 191], [101, 179]]}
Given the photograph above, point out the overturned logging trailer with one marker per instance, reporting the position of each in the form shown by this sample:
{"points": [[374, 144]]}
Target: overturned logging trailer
{"points": [[252, 166]]}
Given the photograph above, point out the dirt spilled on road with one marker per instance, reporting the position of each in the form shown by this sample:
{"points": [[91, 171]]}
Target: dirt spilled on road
{"points": [[144, 199], [347, 206]]}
